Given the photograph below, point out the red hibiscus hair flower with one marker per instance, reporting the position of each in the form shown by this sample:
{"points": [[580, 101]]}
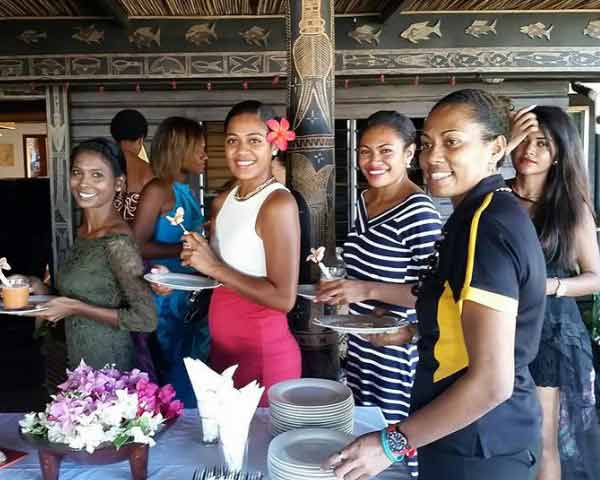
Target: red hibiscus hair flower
{"points": [[280, 133]]}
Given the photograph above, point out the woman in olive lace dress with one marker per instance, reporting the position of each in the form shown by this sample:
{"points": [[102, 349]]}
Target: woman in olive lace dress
{"points": [[103, 295]]}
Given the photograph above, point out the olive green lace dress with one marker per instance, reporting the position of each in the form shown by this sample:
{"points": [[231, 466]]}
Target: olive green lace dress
{"points": [[106, 272]]}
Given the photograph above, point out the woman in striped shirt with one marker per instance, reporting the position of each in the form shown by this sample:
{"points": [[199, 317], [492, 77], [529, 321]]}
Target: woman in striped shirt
{"points": [[396, 228]]}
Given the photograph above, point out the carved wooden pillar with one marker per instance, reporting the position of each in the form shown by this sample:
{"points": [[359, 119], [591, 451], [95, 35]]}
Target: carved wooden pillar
{"points": [[59, 147], [311, 88]]}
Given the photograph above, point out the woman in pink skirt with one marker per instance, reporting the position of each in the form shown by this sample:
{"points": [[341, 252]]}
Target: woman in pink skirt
{"points": [[255, 255]]}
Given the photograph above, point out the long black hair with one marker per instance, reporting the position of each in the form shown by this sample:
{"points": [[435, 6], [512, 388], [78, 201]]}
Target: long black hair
{"points": [[566, 195]]}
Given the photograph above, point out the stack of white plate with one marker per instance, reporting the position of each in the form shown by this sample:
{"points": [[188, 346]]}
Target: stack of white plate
{"points": [[311, 403], [299, 454]]}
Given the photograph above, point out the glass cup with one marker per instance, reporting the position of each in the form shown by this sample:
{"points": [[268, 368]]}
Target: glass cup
{"points": [[209, 424], [15, 296], [335, 273]]}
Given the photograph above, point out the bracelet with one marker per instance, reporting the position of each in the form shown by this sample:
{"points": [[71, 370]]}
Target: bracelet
{"points": [[383, 437]]}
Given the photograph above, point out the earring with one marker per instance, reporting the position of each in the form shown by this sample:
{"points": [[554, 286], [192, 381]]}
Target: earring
{"points": [[555, 162]]}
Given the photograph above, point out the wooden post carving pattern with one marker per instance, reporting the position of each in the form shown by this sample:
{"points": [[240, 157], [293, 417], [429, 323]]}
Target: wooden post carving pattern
{"points": [[59, 146], [311, 87]]}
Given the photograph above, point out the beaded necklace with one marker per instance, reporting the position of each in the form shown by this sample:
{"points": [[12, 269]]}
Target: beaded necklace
{"points": [[262, 186]]}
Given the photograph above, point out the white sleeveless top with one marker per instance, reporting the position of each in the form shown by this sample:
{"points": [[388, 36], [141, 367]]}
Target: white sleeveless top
{"points": [[237, 243]]}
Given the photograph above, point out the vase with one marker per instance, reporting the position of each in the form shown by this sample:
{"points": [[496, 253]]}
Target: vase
{"points": [[52, 454]]}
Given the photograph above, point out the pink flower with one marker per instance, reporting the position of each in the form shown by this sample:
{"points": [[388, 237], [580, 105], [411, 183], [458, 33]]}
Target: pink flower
{"points": [[174, 410], [280, 133], [166, 393]]}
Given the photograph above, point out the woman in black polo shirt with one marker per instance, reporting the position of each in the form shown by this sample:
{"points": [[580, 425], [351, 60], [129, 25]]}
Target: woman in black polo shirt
{"points": [[475, 412]]}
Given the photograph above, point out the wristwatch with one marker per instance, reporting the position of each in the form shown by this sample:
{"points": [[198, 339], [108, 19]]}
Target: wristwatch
{"points": [[395, 444], [561, 290]]}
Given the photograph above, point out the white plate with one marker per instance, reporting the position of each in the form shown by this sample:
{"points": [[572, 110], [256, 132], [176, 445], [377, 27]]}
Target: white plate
{"points": [[361, 324], [306, 448], [34, 306], [181, 281], [309, 392], [307, 291]]}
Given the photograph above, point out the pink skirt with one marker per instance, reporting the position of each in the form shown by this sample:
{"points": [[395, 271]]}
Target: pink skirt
{"points": [[255, 337]]}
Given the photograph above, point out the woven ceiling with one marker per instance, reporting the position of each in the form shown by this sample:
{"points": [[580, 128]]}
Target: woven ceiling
{"points": [[183, 8]]}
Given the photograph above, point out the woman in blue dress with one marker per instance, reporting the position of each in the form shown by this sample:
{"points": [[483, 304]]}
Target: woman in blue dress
{"points": [[395, 231], [178, 150], [551, 183]]}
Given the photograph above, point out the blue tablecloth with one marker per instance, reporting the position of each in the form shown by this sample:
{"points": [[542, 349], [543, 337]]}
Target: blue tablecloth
{"points": [[177, 454]]}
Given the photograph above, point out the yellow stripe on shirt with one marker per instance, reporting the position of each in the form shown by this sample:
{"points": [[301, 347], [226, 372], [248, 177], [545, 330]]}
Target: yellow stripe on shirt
{"points": [[450, 350]]}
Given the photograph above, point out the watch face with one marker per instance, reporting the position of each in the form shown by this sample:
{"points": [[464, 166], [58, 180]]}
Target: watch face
{"points": [[397, 441]]}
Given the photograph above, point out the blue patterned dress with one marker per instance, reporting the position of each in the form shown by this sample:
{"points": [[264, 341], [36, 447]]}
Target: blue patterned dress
{"points": [[176, 338]]}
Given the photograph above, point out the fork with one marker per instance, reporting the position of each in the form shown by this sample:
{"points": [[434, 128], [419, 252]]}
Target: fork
{"points": [[222, 473]]}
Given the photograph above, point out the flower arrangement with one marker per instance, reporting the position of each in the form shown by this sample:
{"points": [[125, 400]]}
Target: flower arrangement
{"points": [[95, 407], [280, 133]]}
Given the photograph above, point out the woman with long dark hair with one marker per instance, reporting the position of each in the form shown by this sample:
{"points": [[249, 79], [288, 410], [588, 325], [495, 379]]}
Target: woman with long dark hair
{"points": [[551, 183], [474, 408]]}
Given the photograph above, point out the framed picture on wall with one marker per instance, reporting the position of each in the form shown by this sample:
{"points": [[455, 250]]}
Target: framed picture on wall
{"points": [[34, 150]]}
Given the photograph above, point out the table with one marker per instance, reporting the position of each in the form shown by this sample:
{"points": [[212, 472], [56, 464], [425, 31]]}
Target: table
{"points": [[178, 452]]}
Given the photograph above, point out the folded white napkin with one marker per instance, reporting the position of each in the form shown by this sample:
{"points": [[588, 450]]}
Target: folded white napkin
{"points": [[207, 385], [232, 408]]}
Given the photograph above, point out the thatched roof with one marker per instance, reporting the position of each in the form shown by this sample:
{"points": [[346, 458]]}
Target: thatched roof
{"points": [[188, 8]]}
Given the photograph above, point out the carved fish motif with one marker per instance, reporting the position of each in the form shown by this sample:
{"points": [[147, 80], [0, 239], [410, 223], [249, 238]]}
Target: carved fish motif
{"points": [[144, 37], [256, 36], [202, 33], [31, 36], [592, 29], [11, 68], [49, 66], [86, 65], [368, 34], [420, 31], [481, 27], [167, 65], [121, 65], [89, 35], [537, 30]]}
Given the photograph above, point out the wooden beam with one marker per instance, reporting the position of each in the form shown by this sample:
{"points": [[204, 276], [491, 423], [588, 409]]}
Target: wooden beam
{"points": [[115, 10], [393, 7]]}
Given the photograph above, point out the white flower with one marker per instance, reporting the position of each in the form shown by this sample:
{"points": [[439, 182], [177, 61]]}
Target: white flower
{"points": [[178, 218], [111, 416], [128, 403], [28, 422], [316, 255], [4, 264], [140, 437], [88, 437]]}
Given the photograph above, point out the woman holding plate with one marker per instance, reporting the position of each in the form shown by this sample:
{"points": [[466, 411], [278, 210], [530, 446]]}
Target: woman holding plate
{"points": [[475, 413], [103, 295], [394, 233], [178, 150], [256, 236]]}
